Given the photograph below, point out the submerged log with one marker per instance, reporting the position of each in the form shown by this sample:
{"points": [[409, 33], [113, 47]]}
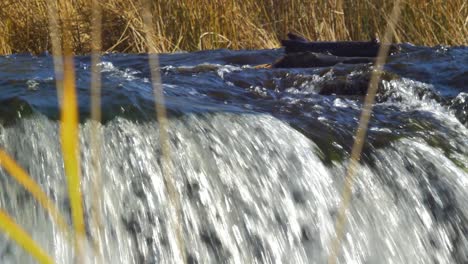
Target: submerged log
{"points": [[312, 59], [301, 53], [297, 43]]}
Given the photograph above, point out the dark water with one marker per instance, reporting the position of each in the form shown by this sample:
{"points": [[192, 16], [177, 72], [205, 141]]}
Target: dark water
{"points": [[259, 156]]}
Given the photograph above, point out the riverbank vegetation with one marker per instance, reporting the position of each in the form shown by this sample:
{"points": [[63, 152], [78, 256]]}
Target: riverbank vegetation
{"points": [[237, 24]]}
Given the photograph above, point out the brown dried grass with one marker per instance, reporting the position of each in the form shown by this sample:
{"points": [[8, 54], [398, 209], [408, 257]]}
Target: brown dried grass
{"points": [[238, 24]]}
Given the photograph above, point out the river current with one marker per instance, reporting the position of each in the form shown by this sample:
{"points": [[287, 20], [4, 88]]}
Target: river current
{"points": [[259, 158]]}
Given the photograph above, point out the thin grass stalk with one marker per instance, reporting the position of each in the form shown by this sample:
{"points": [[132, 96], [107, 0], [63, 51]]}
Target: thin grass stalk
{"points": [[96, 139], [161, 115], [22, 177], [55, 37], [362, 131], [15, 232]]}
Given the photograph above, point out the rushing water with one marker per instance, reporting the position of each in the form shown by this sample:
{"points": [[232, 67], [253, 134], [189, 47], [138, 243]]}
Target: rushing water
{"points": [[259, 158]]}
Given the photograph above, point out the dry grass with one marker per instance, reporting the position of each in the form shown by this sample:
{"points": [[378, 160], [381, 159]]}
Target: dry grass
{"points": [[237, 24]]}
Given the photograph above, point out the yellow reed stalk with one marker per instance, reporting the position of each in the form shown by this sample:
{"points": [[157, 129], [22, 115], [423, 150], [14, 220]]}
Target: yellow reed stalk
{"points": [[69, 116], [70, 145], [161, 115], [22, 177], [15, 232], [362, 131], [96, 140], [69, 132]]}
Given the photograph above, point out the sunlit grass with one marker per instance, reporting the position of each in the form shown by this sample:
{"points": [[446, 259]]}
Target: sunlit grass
{"points": [[239, 24]]}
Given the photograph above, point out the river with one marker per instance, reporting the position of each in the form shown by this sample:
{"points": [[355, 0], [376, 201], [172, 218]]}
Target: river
{"points": [[259, 158]]}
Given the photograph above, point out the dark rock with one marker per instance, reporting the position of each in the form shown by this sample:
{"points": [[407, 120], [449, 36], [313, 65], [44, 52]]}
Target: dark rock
{"points": [[211, 239], [298, 197], [11, 109], [193, 190], [306, 234], [191, 259], [132, 224]]}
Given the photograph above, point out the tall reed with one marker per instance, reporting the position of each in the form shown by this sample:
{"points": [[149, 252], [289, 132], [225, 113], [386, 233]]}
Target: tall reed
{"points": [[358, 145], [237, 24]]}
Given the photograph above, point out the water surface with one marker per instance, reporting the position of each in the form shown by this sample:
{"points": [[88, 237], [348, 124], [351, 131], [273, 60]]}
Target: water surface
{"points": [[259, 158]]}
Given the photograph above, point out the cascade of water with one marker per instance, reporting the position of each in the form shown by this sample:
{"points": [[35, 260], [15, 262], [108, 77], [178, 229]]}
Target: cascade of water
{"points": [[253, 190]]}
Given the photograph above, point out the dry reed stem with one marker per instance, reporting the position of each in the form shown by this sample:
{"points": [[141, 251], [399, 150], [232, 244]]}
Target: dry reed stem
{"points": [[362, 131], [246, 24], [95, 137], [55, 37], [166, 161]]}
